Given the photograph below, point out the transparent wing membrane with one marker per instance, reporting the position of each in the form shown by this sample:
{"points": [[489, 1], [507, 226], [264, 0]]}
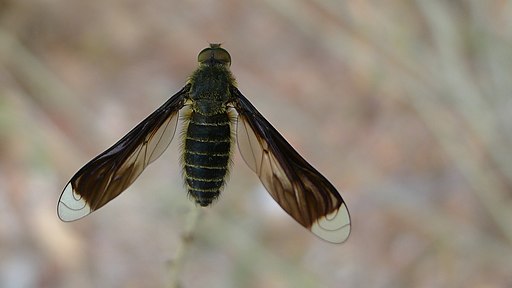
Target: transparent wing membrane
{"points": [[111, 172], [294, 184]]}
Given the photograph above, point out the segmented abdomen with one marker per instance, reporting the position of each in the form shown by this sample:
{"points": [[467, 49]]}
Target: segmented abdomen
{"points": [[207, 152]]}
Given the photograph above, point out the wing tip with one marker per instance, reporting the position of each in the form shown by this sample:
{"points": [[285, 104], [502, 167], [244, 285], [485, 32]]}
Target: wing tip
{"points": [[72, 206], [335, 227]]}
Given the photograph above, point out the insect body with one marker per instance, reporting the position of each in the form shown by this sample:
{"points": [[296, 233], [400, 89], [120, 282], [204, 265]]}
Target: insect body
{"points": [[211, 98], [208, 136]]}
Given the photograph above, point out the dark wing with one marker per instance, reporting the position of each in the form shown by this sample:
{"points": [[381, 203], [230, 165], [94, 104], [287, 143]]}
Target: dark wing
{"points": [[111, 172], [296, 186]]}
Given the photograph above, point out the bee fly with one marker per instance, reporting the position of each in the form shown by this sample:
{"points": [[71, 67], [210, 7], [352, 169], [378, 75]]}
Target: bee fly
{"points": [[211, 97]]}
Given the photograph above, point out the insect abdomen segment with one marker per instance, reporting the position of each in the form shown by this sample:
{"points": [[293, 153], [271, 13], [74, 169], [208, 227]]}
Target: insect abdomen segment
{"points": [[207, 155]]}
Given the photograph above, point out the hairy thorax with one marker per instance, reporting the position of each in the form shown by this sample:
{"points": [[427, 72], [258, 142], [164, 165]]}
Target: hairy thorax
{"points": [[210, 89]]}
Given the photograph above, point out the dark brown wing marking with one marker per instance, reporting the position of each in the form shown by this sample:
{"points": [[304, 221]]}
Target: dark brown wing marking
{"points": [[111, 172], [297, 187]]}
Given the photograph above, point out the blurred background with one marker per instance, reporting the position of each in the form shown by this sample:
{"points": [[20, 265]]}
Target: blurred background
{"points": [[404, 105]]}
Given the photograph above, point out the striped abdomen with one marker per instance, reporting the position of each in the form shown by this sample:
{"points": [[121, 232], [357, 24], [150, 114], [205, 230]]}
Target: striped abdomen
{"points": [[207, 152]]}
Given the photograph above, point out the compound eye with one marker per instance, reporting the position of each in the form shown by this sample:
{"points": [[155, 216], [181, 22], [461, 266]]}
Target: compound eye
{"points": [[214, 53]]}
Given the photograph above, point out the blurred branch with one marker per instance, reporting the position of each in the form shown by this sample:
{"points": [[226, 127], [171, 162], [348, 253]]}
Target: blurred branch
{"points": [[187, 238], [477, 113], [251, 253], [457, 235], [428, 93], [44, 88], [448, 243]]}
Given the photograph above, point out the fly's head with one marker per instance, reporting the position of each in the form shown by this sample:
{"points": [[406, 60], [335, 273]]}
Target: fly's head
{"points": [[214, 55]]}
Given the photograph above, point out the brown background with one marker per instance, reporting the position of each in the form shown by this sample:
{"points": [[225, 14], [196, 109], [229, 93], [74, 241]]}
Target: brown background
{"points": [[403, 105]]}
